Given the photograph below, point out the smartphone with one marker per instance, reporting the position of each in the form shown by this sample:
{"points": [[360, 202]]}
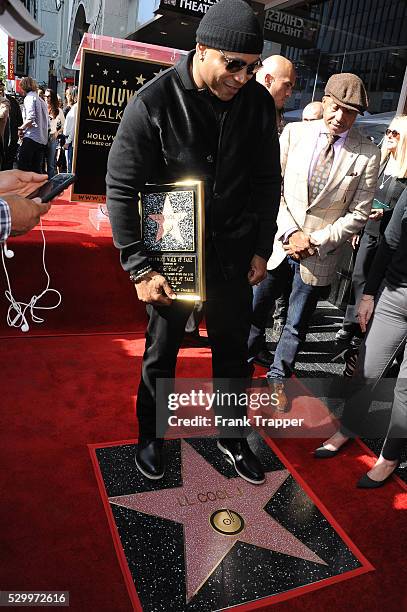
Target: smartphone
{"points": [[53, 187], [377, 205]]}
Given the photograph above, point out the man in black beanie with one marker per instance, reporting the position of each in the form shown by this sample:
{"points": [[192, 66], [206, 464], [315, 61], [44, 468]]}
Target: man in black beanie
{"points": [[207, 118]]}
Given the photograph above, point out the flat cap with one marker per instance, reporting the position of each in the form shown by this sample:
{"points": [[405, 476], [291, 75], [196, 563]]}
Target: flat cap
{"points": [[348, 90]]}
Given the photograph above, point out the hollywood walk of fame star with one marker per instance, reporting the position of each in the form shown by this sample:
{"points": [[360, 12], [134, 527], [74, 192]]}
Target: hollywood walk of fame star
{"points": [[205, 491], [140, 80], [168, 221]]}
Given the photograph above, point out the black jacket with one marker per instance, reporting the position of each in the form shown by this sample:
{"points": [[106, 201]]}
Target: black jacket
{"points": [[389, 195], [170, 131]]}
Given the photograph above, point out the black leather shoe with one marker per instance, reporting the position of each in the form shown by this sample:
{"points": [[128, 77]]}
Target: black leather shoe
{"points": [[195, 340], [149, 458], [368, 483], [264, 358], [344, 335], [325, 453], [244, 460]]}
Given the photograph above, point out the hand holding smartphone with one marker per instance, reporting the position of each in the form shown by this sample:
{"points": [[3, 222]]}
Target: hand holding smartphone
{"points": [[52, 188]]}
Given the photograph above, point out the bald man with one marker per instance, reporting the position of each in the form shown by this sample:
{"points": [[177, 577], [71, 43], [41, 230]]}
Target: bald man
{"points": [[278, 77], [313, 111]]}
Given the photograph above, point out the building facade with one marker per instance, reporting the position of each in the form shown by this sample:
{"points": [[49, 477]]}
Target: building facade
{"points": [[368, 37], [321, 37]]}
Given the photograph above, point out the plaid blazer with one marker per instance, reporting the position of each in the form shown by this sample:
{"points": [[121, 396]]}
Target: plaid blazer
{"points": [[339, 211]]}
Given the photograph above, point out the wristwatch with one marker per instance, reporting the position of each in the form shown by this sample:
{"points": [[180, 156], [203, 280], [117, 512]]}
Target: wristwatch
{"points": [[137, 277]]}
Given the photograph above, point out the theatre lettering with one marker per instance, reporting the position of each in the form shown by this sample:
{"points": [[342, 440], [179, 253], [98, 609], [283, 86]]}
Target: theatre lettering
{"points": [[290, 29], [190, 7]]}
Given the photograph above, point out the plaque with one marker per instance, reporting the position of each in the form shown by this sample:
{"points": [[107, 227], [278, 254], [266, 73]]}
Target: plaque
{"points": [[172, 225], [107, 83]]}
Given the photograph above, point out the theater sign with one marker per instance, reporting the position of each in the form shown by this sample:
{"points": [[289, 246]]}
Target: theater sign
{"points": [[196, 8], [290, 29]]}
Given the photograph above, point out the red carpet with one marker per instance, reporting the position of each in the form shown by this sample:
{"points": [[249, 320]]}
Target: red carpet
{"points": [[62, 393], [97, 295]]}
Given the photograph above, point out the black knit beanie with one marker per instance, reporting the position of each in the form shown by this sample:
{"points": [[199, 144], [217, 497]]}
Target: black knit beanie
{"points": [[231, 25]]}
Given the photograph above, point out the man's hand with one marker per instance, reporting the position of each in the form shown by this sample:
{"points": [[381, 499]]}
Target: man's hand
{"points": [[25, 214], [20, 182], [365, 310], [258, 270], [155, 289], [66, 146], [376, 214], [299, 246]]}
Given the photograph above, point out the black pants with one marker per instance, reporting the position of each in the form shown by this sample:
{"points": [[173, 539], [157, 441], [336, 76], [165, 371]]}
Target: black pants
{"points": [[364, 258], [31, 156], [228, 315]]}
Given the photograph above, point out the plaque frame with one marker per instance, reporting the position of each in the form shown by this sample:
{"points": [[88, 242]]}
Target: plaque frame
{"points": [[163, 258]]}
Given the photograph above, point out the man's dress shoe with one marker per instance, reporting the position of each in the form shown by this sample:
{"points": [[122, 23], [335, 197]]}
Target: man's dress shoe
{"points": [[344, 335], [264, 358], [149, 458], [244, 460], [280, 400], [195, 340]]}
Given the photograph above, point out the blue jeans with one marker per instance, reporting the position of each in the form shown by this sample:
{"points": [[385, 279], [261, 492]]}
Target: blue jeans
{"points": [[303, 300], [51, 157], [69, 157]]}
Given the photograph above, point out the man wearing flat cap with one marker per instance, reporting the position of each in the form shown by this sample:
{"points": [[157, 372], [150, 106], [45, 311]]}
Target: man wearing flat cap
{"points": [[206, 118], [329, 178]]}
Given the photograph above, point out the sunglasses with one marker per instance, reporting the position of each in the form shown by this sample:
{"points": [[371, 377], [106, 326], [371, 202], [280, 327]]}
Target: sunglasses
{"points": [[234, 65], [394, 133]]}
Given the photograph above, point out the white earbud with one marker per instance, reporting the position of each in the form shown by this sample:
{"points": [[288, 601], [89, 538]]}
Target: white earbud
{"points": [[8, 252], [16, 315]]}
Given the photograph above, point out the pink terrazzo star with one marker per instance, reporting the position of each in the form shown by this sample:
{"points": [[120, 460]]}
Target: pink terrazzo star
{"points": [[205, 491], [168, 221]]}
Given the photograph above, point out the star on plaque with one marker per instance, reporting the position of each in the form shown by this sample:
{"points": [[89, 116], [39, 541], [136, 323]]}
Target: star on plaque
{"points": [[140, 80], [168, 221], [216, 512]]}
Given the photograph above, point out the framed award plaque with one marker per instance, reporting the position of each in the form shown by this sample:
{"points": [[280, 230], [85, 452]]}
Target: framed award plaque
{"points": [[172, 225]]}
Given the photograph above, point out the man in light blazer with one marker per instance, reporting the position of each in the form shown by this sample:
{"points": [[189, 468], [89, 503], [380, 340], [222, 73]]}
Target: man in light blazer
{"points": [[318, 213]]}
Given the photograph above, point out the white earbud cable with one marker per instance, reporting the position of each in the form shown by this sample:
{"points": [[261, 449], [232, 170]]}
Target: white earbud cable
{"points": [[16, 314]]}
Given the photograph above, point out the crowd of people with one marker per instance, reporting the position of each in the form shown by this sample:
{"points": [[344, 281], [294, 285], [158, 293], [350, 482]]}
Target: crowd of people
{"points": [[38, 134], [283, 241], [280, 202]]}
